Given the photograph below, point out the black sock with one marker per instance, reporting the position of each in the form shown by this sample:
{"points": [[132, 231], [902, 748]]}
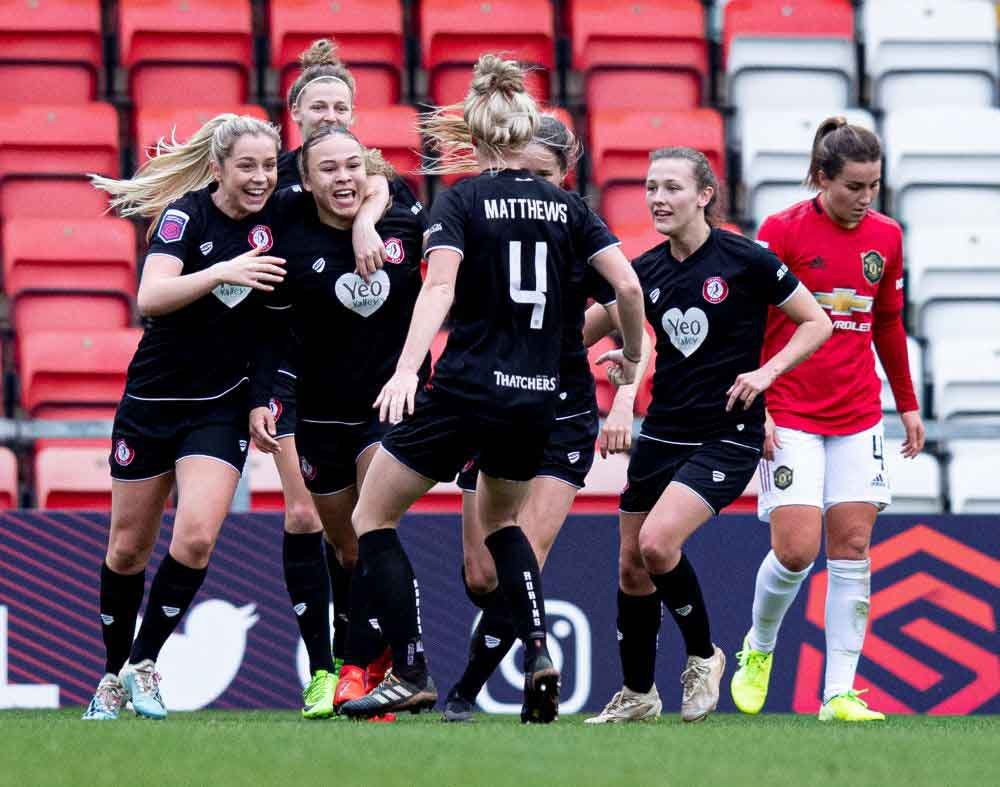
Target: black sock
{"points": [[521, 584], [638, 627], [364, 638], [174, 588], [340, 581], [121, 597], [681, 594], [395, 600], [309, 590], [492, 638]]}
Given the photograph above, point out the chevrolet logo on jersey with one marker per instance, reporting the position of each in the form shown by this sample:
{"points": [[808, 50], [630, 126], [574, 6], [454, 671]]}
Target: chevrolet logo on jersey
{"points": [[843, 301]]}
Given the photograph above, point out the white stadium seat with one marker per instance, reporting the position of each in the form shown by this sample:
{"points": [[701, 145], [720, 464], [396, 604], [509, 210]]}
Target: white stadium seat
{"points": [[943, 164], [972, 476], [918, 49], [914, 354], [915, 483], [957, 261], [966, 375], [949, 320], [775, 153]]}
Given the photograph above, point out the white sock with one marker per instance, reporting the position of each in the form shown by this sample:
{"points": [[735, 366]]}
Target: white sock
{"points": [[776, 589], [847, 598]]}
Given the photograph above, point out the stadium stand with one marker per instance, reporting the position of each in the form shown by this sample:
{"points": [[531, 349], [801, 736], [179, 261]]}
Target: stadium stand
{"points": [[265, 483], [9, 497], [45, 151], [369, 35], [51, 51], [166, 122], [185, 52], [628, 55], [920, 48], [915, 355], [453, 33], [916, 483], [966, 374], [72, 477], [972, 476]]}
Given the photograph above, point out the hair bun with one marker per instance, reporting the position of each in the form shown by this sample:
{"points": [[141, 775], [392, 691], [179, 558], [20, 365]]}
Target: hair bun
{"points": [[493, 74], [322, 52]]}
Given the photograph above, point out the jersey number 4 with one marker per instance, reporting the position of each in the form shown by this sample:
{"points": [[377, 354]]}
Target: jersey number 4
{"points": [[537, 295]]}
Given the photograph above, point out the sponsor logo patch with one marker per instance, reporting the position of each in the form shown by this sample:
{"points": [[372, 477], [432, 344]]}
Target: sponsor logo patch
{"points": [[783, 477], [206, 248], [231, 294], [715, 289], [687, 331], [172, 225], [363, 297]]}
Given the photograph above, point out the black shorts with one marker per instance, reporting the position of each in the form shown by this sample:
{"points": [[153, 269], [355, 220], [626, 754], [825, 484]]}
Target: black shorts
{"points": [[282, 404], [568, 455], [329, 451], [717, 471], [438, 439], [148, 438]]}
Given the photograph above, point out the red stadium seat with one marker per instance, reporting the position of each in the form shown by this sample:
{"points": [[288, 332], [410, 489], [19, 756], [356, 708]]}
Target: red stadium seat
{"points": [[74, 368], [369, 39], [50, 51], [631, 53], [620, 142], [186, 52], [156, 122], [775, 18], [8, 479], [605, 388], [454, 33], [45, 152], [72, 477], [265, 483], [438, 345], [632, 223], [393, 130], [604, 485]]}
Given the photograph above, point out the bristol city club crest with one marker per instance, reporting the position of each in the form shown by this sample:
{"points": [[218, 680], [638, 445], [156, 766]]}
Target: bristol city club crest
{"points": [[872, 265], [715, 289], [308, 471], [274, 405], [123, 454], [394, 251], [260, 237]]}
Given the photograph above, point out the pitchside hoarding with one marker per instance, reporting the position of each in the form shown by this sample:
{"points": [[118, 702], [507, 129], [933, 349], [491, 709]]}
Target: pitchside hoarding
{"points": [[932, 647]]}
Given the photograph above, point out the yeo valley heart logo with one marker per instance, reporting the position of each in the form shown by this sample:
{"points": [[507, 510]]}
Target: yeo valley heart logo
{"points": [[363, 297], [231, 294], [686, 330]]}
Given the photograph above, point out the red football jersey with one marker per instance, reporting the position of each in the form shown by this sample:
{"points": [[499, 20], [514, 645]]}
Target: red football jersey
{"points": [[857, 276]]}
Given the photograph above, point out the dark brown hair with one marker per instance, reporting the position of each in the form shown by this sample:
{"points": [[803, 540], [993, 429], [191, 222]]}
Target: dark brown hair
{"points": [[704, 176], [836, 143], [318, 61], [554, 136], [374, 163]]}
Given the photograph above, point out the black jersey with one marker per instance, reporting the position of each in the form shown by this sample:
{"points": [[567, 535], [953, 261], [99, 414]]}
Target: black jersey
{"points": [[576, 381], [349, 332], [202, 350], [709, 313], [524, 243], [288, 169]]}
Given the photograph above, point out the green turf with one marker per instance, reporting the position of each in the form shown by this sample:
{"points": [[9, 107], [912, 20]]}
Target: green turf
{"points": [[222, 748]]}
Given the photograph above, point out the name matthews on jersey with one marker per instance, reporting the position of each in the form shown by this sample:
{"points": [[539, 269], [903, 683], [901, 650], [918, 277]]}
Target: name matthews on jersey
{"points": [[523, 208]]}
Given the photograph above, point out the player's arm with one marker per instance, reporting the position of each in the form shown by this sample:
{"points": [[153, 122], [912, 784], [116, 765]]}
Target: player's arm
{"points": [[273, 344], [813, 328], [163, 289], [615, 269], [436, 296], [369, 251]]}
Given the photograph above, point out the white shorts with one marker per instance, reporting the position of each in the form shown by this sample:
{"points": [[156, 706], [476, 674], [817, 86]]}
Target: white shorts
{"points": [[823, 470]]}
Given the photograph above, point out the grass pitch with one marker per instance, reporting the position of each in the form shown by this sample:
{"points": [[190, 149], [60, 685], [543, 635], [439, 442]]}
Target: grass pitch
{"points": [[257, 748]]}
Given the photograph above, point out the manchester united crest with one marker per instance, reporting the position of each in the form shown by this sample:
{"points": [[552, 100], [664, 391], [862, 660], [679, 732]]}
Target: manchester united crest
{"points": [[873, 266], [782, 477]]}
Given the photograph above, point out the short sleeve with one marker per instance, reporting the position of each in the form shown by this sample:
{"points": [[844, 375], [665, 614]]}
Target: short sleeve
{"points": [[449, 215], [773, 279], [889, 298], [771, 236], [403, 196], [591, 235], [178, 230]]}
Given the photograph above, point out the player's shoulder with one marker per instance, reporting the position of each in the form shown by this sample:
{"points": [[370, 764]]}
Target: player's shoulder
{"points": [[792, 215], [182, 216], [735, 245], [883, 223], [650, 258], [288, 168]]}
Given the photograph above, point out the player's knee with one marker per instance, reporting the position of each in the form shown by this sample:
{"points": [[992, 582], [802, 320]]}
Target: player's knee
{"points": [[660, 553], [126, 556], [480, 576], [633, 578], [301, 517], [853, 546], [194, 549], [796, 557]]}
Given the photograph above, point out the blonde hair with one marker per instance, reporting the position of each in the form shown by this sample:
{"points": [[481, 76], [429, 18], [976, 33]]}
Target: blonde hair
{"points": [[498, 117], [180, 167], [320, 62], [375, 164]]}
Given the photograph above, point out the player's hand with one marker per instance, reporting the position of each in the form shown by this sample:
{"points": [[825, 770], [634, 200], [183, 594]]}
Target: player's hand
{"points": [[621, 371], [616, 432], [263, 430], [915, 434], [369, 251], [749, 386], [251, 269], [397, 397], [771, 439]]}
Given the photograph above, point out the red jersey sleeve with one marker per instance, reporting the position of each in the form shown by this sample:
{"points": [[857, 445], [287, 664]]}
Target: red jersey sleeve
{"points": [[771, 235], [889, 334]]}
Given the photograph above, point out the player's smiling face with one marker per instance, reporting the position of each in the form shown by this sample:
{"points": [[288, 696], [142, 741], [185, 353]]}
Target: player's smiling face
{"points": [[323, 103], [849, 196], [247, 177], [672, 195], [543, 162], [336, 178]]}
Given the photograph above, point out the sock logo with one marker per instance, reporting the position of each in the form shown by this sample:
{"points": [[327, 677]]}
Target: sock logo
{"points": [[373, 622], [107, 620], [620, 637], [491, 641], [684, 611], [300, 608], [171, 612]]}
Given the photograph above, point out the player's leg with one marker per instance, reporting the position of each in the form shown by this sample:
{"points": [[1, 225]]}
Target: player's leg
{"points": [[639, 616], [205, 488], [791, 500], [856, 490], [136, 512]]}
